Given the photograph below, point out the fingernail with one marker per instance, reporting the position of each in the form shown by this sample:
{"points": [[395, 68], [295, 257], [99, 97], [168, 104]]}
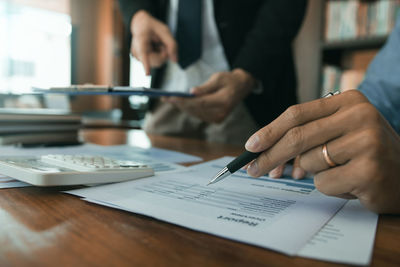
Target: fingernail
{"points": [[298, 173], [274, 173], [193, 90], [252, 170], [252, 143]]}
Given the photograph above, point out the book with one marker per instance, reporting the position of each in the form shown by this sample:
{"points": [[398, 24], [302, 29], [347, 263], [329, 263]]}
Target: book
{"points": [[346, 20], [41, 138], [38, 126], [38, 115]]}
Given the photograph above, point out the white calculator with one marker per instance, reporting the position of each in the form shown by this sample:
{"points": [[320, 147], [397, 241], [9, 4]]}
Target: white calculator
{"points": [[55, 170]]}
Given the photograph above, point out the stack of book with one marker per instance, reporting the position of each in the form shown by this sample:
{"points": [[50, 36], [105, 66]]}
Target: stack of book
{"points": [[38, 127], [359, 19]]}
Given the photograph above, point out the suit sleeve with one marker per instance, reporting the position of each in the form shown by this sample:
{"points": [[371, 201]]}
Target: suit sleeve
{"points": [[268, 42], [130, 7]]}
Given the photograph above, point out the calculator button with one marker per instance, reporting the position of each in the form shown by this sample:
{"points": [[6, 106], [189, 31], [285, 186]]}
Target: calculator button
{"points": [[89, 163]]}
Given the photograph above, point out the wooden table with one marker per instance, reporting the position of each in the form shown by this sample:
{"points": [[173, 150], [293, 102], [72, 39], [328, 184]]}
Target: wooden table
{"points": [[43, 227]]}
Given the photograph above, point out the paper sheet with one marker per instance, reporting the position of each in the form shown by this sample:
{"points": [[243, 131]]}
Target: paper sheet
{"points": [[347, 238], [124, 151], [277, 214], [153, 153], [7, 182]]}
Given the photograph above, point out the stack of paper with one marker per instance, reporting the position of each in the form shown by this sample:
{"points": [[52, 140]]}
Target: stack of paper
{"points": [[8, 182], [285, 215], [38, 126]]}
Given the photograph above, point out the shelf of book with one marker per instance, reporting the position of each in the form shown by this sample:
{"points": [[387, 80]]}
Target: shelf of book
{"points": [[356, 43], [353, 33]]}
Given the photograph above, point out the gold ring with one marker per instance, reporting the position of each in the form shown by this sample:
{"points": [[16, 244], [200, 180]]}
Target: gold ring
{"points": [[328, 159]]}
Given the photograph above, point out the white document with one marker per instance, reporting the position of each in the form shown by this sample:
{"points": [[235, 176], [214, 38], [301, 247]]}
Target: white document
{"points": [[347, 238], [277, 214], [7, 182]]}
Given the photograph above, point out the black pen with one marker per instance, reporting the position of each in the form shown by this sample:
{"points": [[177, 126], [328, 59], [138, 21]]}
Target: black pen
{"points": [[243, 159], [234, 165]]}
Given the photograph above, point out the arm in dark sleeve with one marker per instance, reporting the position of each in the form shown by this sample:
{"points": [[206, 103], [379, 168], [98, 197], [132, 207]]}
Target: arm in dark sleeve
{"points": [[268, 42], [130, 7]]}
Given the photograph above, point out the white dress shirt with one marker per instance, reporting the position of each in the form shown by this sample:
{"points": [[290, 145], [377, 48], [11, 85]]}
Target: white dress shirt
{"points": [[212, 58], [166, 119]]}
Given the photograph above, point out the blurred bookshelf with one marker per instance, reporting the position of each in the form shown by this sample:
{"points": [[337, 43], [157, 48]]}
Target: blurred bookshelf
{"points": [[355, 43], [353, 32]]}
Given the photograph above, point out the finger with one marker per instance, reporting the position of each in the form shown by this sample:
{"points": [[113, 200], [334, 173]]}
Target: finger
{"points": [[298, 172], [277, 171], [200, 110], [209, 102], [211, 85], [337, 181], [195, 109], [347, 196], [298, 115], [133, 52], [142, 48], [175, 100], [340, 150], [246, 166], [298, 140], [157, 59], [210, 108], [168, 40], [133, 49]]}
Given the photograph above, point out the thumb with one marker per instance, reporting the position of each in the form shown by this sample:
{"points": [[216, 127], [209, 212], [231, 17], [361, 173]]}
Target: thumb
{"points": [[211, 85], [142, 49]]}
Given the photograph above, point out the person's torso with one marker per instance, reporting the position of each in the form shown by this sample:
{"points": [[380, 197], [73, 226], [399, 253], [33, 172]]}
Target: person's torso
{"points": [[212, 58]]}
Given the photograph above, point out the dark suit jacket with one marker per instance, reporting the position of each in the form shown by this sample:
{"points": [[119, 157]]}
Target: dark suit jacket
{"points": [[257, 36]]}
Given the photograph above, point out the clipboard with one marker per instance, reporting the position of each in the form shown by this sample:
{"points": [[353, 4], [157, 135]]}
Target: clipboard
{"points": [[109, 90]]}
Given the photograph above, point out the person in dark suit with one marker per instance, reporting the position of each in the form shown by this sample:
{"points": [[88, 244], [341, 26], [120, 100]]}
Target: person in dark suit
{"points": [[256, 83]]}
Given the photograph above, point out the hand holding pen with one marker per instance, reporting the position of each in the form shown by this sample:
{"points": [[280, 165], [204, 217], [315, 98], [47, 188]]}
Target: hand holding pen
{"points": [[344, 141], [251, 153]]}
